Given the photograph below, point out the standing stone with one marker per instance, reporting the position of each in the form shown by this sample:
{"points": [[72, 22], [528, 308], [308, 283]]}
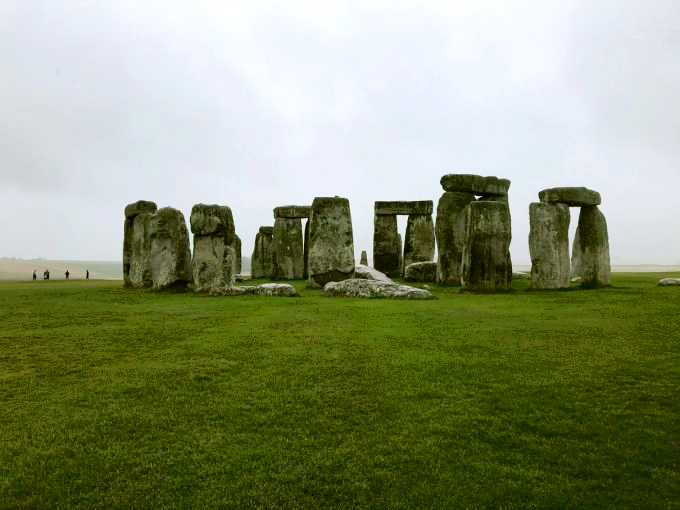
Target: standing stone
{"points": [[214, 260], [261, 262], [364, 258], [331, 241], [386, 244], [486, 254], [306, 249], [401, 256], [594, 242], [137, 244], [575, 271], [450, 232], [420, 244], [170, 252], [236, 244], [288, 249], [549, 245]]}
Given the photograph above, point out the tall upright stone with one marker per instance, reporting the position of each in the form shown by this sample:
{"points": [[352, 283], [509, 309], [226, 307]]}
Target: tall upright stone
{"points": [[386, 245], [594, 244], [575, 270], [331, 241], [450, 234], [137, 244], [549, 245], [419, 245], [170, 252], [237, 245], [261, 261], [306, 250], [486, 254], [288, 249], [214, 260], [364, 258]]}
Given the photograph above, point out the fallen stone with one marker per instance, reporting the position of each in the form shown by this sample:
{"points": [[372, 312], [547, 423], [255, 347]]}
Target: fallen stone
{"points": [[520, 275], [669, 282], [421, 272], [594, 242], [139, 207], [404, 208], [292, 211], [331, 241], [450, 235], [170, 252], [364, 272], [266, 289], [288, 253], [386, 244], [358, 288], [364, 258], [549, 245], [419, 245], [573, 197], [486, 263], [212, 220], [476, 184]]}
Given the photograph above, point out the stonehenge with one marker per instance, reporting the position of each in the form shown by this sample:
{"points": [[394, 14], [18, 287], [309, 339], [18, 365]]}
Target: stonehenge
{"points": [[549, 242], [137, 244], [214, 262], [474, 232], [170, 252], [419, 245], [331, 241]]}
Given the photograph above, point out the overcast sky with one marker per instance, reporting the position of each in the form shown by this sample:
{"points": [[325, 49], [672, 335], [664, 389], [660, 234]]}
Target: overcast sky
{"points": [[260, 104]]}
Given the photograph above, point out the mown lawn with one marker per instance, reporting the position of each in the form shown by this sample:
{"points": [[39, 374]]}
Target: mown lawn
{"points": [[115, 398]]}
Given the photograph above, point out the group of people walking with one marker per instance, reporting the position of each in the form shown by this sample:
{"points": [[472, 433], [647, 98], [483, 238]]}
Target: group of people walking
{"points": [[46, 274]]}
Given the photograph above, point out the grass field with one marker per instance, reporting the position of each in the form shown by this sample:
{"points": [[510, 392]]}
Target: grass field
{"points": [[119, 398]]}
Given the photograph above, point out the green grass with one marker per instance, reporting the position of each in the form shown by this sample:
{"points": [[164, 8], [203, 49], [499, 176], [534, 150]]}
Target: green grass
{"points": [[118, 398]]}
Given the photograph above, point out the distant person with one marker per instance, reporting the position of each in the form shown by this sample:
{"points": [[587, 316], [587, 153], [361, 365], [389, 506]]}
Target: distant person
{"points": [[35, 277], [66, 273], [46, 274], [87, 274]]}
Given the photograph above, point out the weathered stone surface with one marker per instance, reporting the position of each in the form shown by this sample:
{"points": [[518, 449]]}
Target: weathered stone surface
{"points": [[404, 208], [420, 244], [386, 245], [213, 263], [135, 252], [288, 256], [266, 289], [573, 197], [486, 254], [212, 220], [137, 264], [358, 288], [306, 250], [549, 245], [139, 207], [520, 275], [421, 272], [364, 258], [292, 211], [401, 256], [493, 198], [237, 245], [669, 282], [476, 184], [267, 230], [364, 272], [594, 241], [261, 261], [450, 234], [331, 241], [575, 269], [170, 253]]}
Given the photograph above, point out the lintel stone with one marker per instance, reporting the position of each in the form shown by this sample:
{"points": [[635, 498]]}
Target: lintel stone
{"points": [[573, 197], [404, 208], [292, 211], [476, 184]]}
